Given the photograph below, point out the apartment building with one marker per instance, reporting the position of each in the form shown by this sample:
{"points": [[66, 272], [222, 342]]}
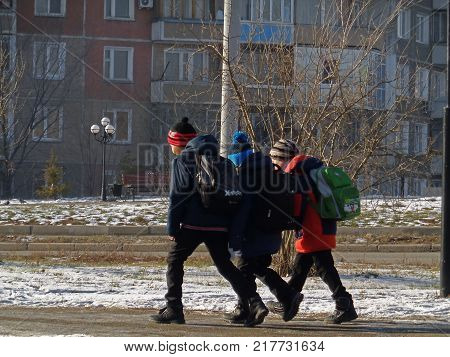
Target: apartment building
{"points": [[145, 67], [82, 60], [410, 67]]}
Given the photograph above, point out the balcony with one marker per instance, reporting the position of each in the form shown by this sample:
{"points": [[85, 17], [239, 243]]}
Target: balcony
{"points": [[437, 107], [267, 33], [191, 30], [179, 91], [439, 4], [187, 30]]}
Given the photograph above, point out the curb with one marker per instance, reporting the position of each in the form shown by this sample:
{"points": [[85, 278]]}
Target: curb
{"points": [[163, 248], [79, 230]]}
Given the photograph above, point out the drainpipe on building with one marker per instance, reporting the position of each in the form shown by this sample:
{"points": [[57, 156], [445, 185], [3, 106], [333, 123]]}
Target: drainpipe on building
{"points": [[445, 242], [230, 104]]}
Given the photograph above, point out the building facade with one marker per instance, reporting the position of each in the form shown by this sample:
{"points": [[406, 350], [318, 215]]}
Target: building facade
{"points": [[146, 67]]}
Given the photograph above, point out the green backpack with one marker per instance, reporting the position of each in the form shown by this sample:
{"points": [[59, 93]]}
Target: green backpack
{"points": [[339, 197]]}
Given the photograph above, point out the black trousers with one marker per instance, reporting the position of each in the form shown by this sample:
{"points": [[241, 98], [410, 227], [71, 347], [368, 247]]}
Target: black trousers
{"points": [[217, 245], [258, 267], [324, 264]]}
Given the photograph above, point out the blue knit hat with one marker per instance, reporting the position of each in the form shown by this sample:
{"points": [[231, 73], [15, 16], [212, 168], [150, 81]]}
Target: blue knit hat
{"points": [[240, 137], [240, 148]]}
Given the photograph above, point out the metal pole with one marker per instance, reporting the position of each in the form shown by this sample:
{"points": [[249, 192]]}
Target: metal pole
{"points": [[445, 243], [230, 105], [104, 167]]}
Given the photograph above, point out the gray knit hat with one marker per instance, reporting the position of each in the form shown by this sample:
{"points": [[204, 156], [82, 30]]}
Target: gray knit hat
{"points": [[284, 149]]}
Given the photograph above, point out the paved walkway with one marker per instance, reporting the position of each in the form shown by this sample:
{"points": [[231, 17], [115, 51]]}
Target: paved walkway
{"points": [[19, 321]]}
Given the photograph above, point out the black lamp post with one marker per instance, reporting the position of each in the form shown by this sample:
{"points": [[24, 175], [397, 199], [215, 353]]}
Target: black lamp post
{"points": [[104, 138], [445, 242]]}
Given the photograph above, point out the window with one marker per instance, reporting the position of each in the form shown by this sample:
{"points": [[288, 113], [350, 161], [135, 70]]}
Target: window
{"points": [[329, 72], [5, 50], [213, 122], [403, 88], [50, 7], [358, 13], [48, 124], [185, 65], [189, 9], [404, 24], [49, 60], [118, 63], [119, 9], [419, 138], [246, 10], [438, 82], [378, 81], [121, 120], [5, 4], [329, 13], [440, 27], [402, 138], [267, 10], [422, 29], [417, 187], [421, 91]]}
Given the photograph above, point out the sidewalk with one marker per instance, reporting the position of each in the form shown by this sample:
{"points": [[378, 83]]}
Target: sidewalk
{"points": [[83, 230], [19, 321]]}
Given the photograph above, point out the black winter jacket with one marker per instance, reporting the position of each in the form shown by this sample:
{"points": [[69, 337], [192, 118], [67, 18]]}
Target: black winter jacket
{"points": [[244, 235], [185, 205]]}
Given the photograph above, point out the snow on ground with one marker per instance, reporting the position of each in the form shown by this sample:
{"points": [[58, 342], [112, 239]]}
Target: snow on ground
{"points": [[380, 212], [378, 293], [149, 211]]}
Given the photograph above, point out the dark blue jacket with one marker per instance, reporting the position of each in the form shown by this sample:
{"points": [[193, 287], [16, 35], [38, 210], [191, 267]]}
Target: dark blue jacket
{"points": [[185, 205], [244, 235]]}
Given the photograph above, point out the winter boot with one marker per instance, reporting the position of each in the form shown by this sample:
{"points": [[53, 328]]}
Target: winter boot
{"points": [[344, 312], [258, 312], [290, 309], [275, 307], [239, 315], [169, 315]]}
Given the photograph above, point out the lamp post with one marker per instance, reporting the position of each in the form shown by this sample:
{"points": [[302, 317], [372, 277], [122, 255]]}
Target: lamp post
{"points": [[103, 137]]}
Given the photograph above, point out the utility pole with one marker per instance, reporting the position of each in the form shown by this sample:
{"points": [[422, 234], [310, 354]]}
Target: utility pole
{"points": [[231, 42], [445, 242]]}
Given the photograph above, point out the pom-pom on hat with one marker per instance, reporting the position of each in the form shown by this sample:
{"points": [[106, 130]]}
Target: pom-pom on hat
{"points": [[181, 133], [240, 137]]}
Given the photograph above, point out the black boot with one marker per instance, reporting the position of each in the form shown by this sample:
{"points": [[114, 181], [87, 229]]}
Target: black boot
{"points": [[344, 312], [169, 315], [258, 312], [239, 315], [290, 309], [286, 310]]}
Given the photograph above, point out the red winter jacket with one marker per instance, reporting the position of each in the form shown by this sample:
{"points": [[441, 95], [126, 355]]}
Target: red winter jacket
{"points": [[318, 234]]}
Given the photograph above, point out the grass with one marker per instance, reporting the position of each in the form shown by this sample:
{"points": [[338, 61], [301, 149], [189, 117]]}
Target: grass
{"points": [[107, 260]]}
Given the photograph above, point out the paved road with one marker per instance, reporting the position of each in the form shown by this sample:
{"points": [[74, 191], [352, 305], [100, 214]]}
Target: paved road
{"points": [[19, 321]]}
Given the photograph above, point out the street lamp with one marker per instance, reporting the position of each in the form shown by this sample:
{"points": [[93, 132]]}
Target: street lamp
{"points": [[103, 137]]}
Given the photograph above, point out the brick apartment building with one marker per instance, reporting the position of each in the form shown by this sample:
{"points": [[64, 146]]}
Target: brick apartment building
{"points": [[82, 60], [141, 67]]}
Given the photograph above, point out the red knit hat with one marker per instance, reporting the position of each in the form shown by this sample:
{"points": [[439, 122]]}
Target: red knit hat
{"points": [[181, 133]]}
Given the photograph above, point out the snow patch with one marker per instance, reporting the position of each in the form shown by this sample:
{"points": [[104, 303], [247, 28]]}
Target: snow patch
{"points": [[378, 293]]}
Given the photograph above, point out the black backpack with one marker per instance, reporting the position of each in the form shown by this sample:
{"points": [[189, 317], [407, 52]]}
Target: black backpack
{"points": [[279, 205], [217, 183]]}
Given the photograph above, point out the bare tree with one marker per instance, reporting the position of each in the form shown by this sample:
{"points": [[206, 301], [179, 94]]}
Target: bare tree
{"points": [[35, 84], [344, 95]]}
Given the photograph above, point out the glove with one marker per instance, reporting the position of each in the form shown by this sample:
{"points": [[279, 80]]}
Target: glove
{"points": [[235, 253], [298, 233]]}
